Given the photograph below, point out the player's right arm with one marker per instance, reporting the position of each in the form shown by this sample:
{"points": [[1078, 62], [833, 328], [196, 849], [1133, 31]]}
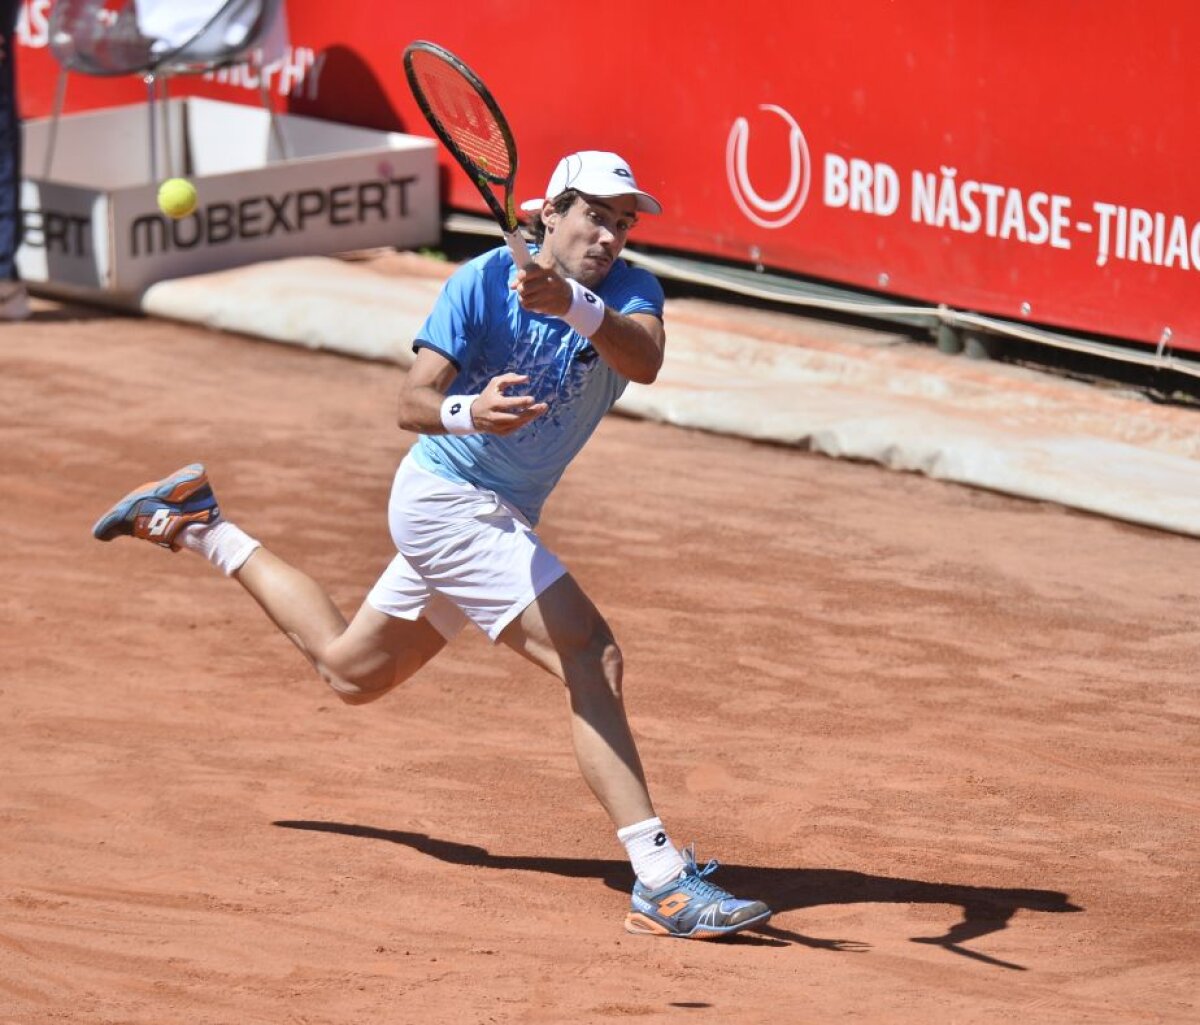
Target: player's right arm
{"points": [[493, 410]]}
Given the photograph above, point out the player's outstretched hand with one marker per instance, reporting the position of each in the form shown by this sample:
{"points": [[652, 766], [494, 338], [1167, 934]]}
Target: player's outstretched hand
{"points": [[497, 412], [542, 290]]}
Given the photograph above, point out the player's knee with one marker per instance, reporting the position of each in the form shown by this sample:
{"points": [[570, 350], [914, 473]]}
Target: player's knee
{"points": [[612, 664], [349, 694], [598, 663], [357, 688]]}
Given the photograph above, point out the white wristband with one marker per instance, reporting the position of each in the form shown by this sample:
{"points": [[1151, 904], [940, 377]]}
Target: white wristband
{"points": [[587, 310], [456, 414]]}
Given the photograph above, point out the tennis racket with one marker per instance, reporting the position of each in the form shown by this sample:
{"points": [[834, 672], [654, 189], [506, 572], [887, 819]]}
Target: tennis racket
{"points": [[465, 116]]}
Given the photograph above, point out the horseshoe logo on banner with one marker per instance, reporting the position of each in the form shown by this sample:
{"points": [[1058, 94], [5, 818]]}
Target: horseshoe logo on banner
{"points": [[768, 213]]}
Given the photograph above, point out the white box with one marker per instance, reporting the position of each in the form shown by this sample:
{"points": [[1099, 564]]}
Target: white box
{"points": [[92, 224]]}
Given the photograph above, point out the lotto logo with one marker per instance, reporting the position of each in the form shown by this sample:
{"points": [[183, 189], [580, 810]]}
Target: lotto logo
{"points": [[672, 905], [159, 522]]}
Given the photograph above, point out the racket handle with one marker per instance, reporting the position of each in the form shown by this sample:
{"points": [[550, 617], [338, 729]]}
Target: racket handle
{"points": [[520, 251]]}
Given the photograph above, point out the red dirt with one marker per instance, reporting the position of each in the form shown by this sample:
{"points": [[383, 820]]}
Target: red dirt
{"points": [[949, 736]]}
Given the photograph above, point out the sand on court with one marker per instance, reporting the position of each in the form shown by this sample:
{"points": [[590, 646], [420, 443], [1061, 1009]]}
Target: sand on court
{"points": [[950, 736]]}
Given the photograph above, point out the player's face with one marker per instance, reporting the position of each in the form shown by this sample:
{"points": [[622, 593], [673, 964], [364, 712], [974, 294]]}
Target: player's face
{"points": [[589, 236]]}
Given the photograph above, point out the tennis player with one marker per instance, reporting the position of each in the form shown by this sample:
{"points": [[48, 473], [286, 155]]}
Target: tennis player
{"points": [[514, 368]]}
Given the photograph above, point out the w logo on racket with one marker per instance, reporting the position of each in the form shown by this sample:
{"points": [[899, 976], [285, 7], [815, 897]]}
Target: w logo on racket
{"points": [[461, 109]]}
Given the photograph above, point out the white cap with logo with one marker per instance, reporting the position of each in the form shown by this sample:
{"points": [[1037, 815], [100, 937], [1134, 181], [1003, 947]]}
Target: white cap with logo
{"points": [[598, 174]]}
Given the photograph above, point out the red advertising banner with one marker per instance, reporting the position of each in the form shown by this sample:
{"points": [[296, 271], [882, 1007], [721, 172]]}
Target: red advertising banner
{"points": [[1034, 161]]}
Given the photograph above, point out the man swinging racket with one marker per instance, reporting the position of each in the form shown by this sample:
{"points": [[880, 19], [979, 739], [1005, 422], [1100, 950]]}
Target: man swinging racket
{"points": [[514, 369]]}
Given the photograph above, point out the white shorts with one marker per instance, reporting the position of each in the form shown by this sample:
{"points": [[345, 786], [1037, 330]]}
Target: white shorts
{"points": [[464, 553]]}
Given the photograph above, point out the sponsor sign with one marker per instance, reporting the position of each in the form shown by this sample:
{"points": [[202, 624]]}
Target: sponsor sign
{"points": [[341, 188], [1029, 161]]}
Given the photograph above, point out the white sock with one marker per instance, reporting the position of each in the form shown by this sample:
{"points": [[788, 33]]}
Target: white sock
{"points": [[224, 544], [654, 858]]}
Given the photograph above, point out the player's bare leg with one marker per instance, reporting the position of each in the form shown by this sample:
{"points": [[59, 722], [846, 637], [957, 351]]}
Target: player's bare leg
{"points": [[362, 660], [565, 634]]}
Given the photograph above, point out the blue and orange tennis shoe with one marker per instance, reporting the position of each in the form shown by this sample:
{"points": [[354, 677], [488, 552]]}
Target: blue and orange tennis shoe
{"points": [[691, 907], [158, 510]]}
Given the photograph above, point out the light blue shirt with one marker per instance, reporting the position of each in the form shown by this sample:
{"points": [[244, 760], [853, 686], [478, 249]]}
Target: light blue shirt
{"points": [[479, 325]]}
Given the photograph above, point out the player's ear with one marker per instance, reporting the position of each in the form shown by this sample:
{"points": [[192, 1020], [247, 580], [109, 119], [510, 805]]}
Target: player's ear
{"points": [[549, 215]]}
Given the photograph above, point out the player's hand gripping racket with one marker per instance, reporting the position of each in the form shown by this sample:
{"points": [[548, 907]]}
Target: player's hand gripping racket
{"points": [[468, 120]]}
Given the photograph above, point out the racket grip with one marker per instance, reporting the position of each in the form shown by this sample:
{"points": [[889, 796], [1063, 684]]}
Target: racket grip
{"points": [[516, 245]]}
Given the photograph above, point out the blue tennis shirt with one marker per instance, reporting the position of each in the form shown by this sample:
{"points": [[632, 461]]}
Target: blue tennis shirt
{"points": [[479, 325]]}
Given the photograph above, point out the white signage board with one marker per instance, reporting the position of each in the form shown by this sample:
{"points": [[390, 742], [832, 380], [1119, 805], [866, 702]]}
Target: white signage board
{"points": [[302, 187]]}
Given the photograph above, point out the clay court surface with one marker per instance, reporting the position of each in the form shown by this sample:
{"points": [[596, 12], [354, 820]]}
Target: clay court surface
{"points": [[950, 736]]}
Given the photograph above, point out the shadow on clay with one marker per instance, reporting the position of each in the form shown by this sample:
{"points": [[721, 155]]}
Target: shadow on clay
{"points": [[985, 909]]}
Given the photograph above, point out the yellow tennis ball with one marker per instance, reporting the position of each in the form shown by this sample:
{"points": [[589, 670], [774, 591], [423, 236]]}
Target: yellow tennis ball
{"points": [[177, 197]]}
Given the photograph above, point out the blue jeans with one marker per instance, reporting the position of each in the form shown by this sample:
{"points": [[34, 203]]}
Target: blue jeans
{"points": [[10, 146]]}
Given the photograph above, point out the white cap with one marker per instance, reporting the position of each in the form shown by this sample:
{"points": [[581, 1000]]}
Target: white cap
{"points": [[594, 173]]}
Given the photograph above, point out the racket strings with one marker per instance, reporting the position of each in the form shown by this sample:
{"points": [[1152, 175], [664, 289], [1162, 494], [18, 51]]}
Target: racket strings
{"points": [[463, 115]]}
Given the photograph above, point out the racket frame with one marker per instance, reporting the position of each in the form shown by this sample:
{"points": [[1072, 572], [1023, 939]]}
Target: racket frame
{"points": [[505, 214]]}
